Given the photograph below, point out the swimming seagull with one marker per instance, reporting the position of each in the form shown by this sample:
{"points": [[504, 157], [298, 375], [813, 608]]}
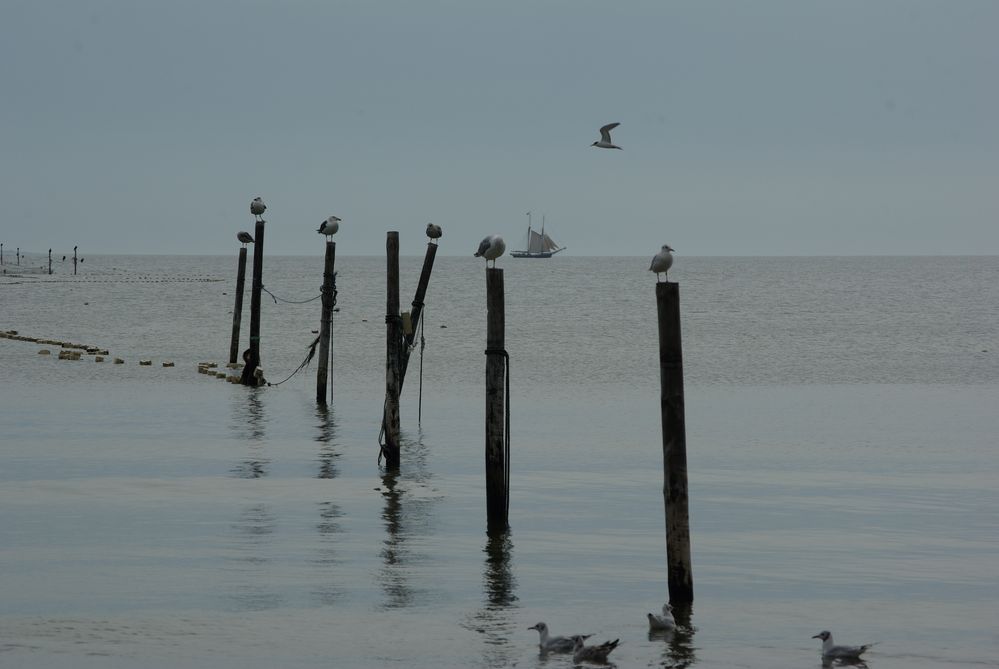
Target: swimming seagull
{"points": [[605, 140], [663, 622], [257, 207], [555, 644], [833, 652], [598, 654], [491, 248], [244, 237], [434, 231], [329, 227], [662, 261]]}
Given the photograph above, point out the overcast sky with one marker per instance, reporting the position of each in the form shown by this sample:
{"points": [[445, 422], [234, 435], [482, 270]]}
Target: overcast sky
{"points": [[749, 127]]}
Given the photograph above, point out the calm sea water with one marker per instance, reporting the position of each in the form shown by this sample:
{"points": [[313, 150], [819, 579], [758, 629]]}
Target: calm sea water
{"points": [[842, 422]]}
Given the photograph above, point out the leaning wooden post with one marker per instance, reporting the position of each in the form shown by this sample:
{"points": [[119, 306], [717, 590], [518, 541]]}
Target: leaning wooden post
{"points": [[393, 347], [680, 578], [253, 360], [497, 409], [322, 378], [416, 314], [237, 310]]}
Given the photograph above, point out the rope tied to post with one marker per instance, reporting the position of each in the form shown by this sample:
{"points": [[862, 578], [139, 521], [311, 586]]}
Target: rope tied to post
{"points": [[506, 421], [276, 298]]}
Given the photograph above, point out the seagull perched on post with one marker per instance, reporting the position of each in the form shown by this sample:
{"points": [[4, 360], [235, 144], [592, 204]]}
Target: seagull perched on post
{"points": [[598, 654], [555, 644], [605, 139], [833, 652], [257, 207], [663, 622], [662, 261], [329, 227], [434, 231], [244, 237], [491, 248]]}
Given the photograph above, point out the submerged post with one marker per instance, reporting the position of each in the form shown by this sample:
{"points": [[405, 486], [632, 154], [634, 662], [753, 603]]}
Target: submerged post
{"points": [[393, 347], [417, 313], [74, 260], [680, 578], [253, 359], [497, 408], [326, 326], [237, 310]]}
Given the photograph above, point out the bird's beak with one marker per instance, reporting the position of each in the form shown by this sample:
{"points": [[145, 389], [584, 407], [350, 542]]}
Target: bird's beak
{"points": [[817, 636]]}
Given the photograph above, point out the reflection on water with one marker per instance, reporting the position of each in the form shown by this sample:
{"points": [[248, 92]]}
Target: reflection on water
{"points": [[248, 422], [494, 621], [253, 536], [678, 652], [325, 437], [328, 527]]}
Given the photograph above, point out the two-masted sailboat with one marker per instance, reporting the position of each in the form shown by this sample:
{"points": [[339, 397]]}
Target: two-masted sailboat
{"points": [[539, 245]]}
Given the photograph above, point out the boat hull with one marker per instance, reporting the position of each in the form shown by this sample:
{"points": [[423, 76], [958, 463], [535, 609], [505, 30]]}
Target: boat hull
{"points": [[539, 254]]}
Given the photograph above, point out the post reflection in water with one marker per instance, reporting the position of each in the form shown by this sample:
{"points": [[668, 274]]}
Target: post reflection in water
{"points": [[494, 621], [325, 591], [326, 438], [253, 536], [679, 651], [248, 422]]}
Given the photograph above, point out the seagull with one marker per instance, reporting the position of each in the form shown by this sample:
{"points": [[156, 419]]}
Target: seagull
{"points": [[605, 140], [663, 622], [833, 652], [555, 644], [491, 248], [434, 231], [598, 654], [257, 207], [329, 227], [662, 261], [244, 237]]}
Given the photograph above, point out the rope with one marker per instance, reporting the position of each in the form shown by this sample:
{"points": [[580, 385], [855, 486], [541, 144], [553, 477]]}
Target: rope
{"points": [[506, 426], [308, 359], [276, 298]]}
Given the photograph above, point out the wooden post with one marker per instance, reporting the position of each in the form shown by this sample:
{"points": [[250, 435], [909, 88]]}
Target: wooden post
{"points": [[74, 261], [416, 314], [680, 578], [497, 411], [237, 310], [50, 261], [393, 346], [253, 360], [326, 326]]}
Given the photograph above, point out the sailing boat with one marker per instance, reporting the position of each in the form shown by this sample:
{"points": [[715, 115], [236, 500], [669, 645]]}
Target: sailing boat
{"points": [[539, 245]]}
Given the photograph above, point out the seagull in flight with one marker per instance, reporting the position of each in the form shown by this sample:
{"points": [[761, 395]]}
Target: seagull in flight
{"points": [[257, 207], [605, 138], [244, 237], [491, 248], [662, 261], [329, 227]]}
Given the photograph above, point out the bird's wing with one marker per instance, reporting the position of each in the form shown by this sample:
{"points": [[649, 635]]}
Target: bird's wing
{"points": [[605, 131], [483, 247]]}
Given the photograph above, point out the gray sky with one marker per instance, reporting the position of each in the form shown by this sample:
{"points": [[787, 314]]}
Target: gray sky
{"points": [[749, 128]]}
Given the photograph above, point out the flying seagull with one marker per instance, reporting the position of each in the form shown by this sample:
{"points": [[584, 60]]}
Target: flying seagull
{"points": [[244, 237], [662, 261], [663, 622], [833, 652], [597, 654], [434, 231], [555, 644], [329, 227], [605, 140], [257, 207], [491, 248]]}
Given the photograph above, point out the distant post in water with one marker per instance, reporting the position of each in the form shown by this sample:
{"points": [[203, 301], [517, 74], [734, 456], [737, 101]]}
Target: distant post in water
{"points": [[326, 326], [253, 360], [393, 348], [497, 407], [50, 261], [74, 260], [237, 310], [680, 579]]}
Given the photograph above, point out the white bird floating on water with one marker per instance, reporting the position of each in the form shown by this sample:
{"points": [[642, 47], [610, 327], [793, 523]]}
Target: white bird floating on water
{"points": [[257, 207], [434, 231], [662, 261], [663, 622], [555, 644], [605, 138], [329, 227], [598, 654], [491, 248], [833, 652], [244, 237]]}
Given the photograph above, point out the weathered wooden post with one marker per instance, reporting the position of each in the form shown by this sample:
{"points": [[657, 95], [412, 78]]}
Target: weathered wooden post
{"points": [[393, 346], [74, 261], [417, 312], [237, 310], [497, 407], [18, 255], [253, 360], [680, 578], [50, 261], [326, 326], [1, 253]]}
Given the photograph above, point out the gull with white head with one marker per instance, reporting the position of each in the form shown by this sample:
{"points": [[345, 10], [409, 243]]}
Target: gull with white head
{"points": [[662, 261], [555, 644], [605, 138], [833, 652], [663, 622], [329, 227], [257, 207], [491, 248]]}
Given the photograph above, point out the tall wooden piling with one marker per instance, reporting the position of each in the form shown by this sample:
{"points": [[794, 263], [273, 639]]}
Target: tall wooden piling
{"points": [[325, 327], [50, 261], [497, 409], [253, 360], [237, 309], [393, 348], [680, 578], [417, 312], [74, 260]]}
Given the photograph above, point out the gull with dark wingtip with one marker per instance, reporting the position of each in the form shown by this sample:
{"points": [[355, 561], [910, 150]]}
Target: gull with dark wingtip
{"points": [[605, 138], [491, 248], [329, 227]]}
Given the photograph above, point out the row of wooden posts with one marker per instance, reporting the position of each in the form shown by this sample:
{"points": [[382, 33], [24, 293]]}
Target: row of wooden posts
{"points": [[399, 340], [2, 262]]}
